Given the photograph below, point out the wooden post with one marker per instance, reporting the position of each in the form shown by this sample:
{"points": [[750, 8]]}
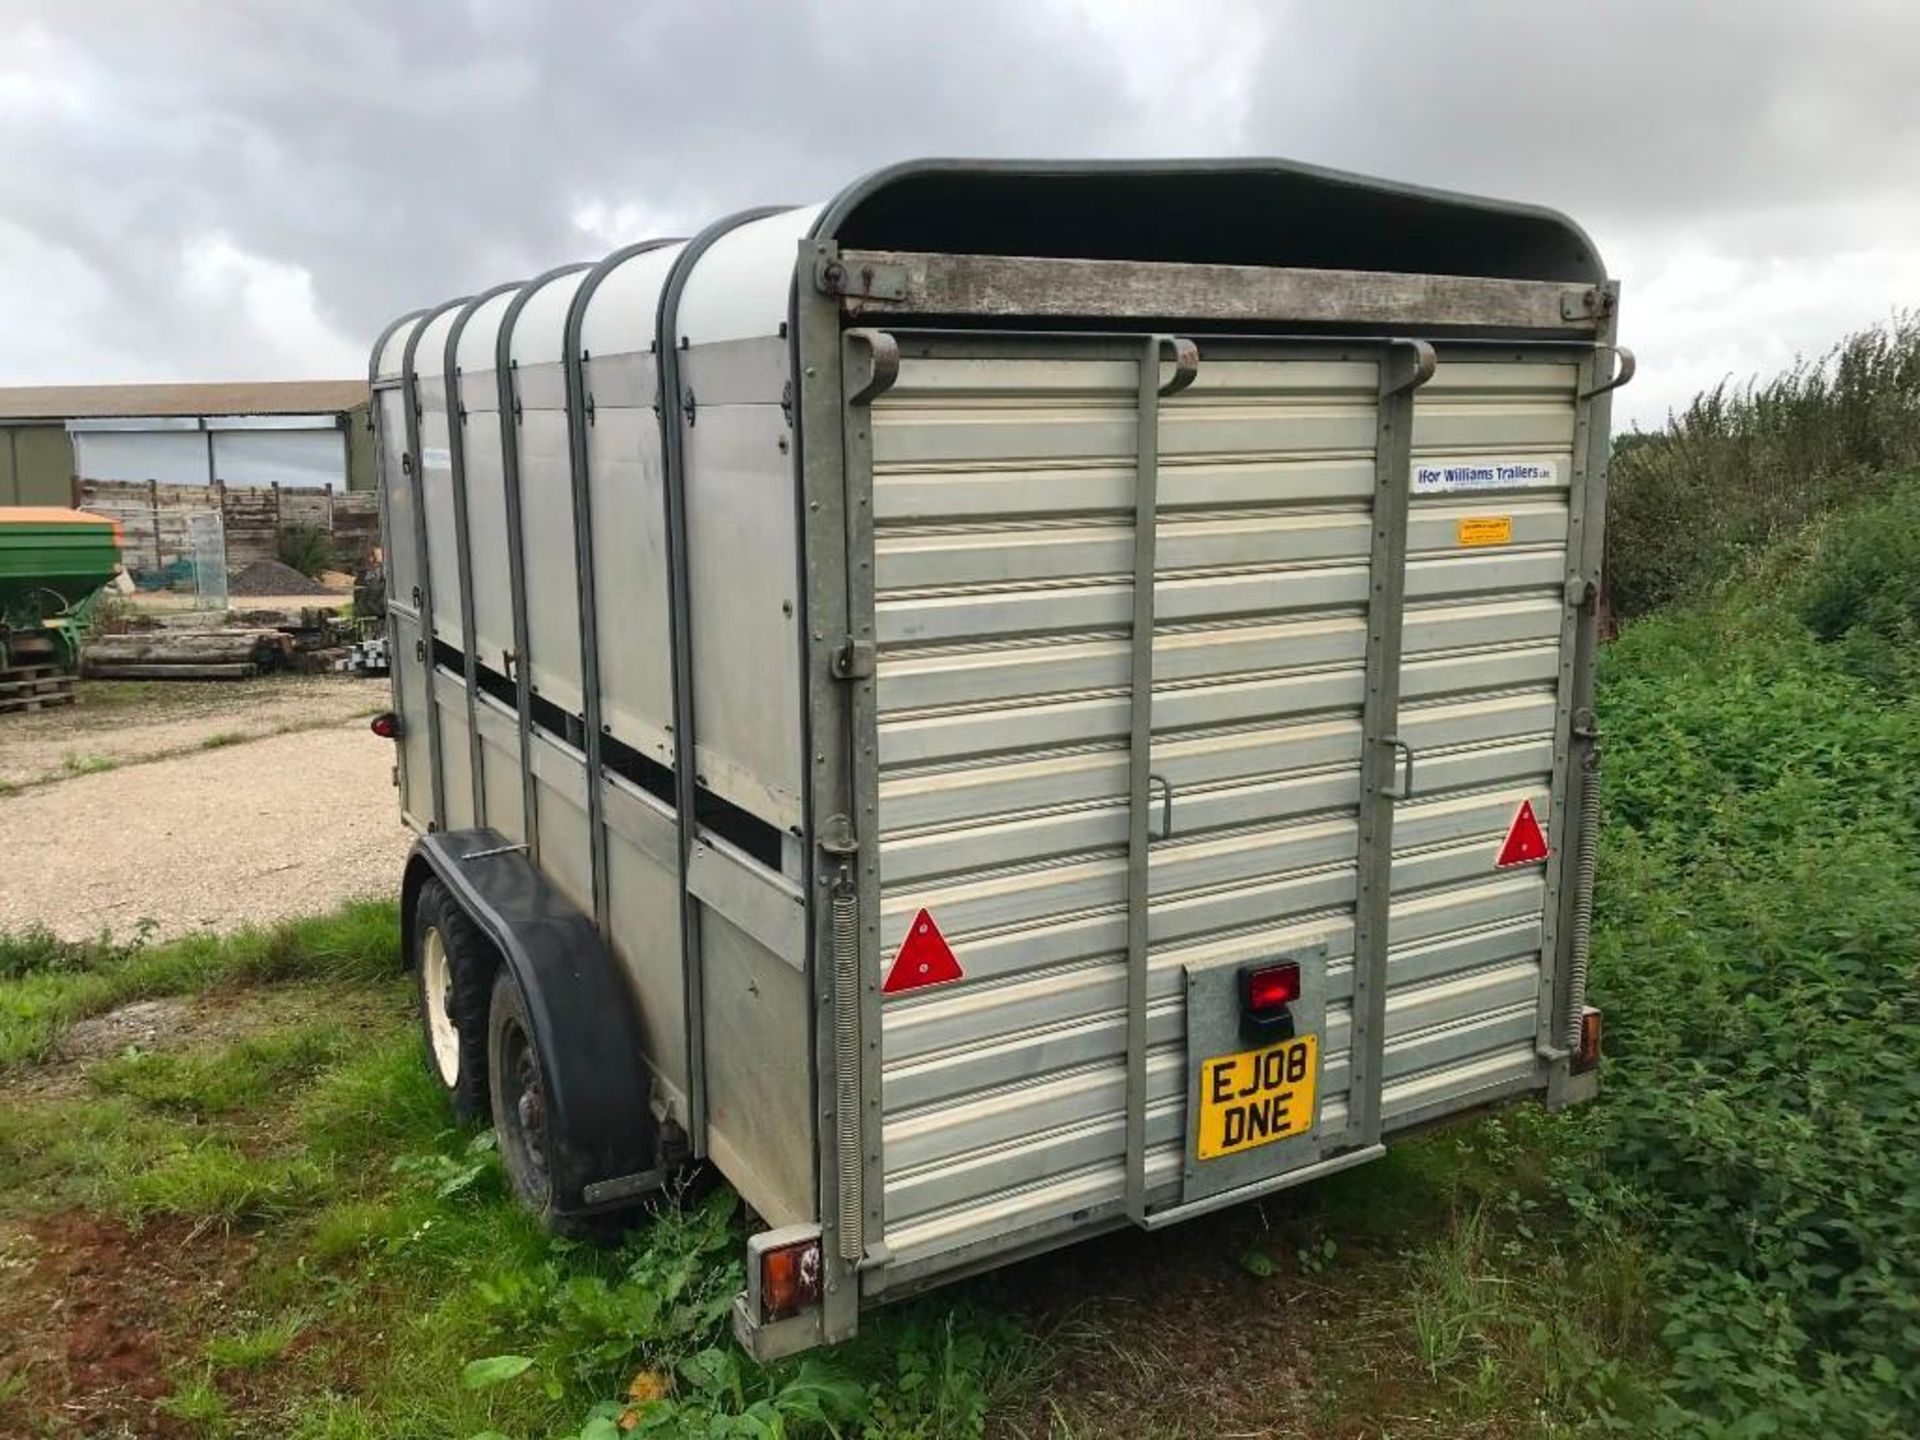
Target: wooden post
{"points": [[153, 503]]}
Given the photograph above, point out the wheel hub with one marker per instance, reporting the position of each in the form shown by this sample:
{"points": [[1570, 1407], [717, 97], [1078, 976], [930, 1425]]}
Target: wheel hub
{"points": [[436, 999], [530, 1106]]}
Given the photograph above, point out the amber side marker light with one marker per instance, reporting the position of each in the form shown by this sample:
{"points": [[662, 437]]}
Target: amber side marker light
{"points": [[386, 725], [1587, 1055], [789, 1280]]}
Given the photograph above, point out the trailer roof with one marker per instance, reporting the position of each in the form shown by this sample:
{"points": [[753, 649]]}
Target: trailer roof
{"points": [[1272, 213], [1230, 212]]}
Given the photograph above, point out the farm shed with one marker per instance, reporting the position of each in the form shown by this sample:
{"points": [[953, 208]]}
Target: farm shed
{"points": [[36, 462], [257, 433]]}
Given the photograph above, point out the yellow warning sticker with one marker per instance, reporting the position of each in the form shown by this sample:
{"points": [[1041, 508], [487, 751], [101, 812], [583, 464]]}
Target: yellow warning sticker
{"points": [[1486, 530]]}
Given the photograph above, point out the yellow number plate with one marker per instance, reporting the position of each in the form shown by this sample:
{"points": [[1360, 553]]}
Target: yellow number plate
{"points": [[1257, 1096]]}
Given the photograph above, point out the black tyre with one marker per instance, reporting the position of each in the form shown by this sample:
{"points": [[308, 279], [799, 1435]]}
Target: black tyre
{"points": [[454, 964], [520, 1090]]}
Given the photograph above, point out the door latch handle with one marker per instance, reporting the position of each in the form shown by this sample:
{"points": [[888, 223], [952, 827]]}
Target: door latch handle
{"points": [[1405, 792], [1166, 804]]}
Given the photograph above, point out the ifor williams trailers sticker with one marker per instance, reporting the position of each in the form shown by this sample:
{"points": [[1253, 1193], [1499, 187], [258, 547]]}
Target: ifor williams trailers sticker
{"points": [[1453, 477]]}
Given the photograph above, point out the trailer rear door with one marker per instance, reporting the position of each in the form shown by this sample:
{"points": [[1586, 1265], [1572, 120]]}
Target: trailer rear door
{"points": [[1102, 872]]}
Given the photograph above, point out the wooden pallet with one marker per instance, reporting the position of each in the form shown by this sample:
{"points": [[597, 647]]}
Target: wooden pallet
{"points": [[34, 687]]}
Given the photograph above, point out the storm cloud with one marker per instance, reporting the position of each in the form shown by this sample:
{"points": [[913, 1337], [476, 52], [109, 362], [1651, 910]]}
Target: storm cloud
{"points": [[201, 190]]}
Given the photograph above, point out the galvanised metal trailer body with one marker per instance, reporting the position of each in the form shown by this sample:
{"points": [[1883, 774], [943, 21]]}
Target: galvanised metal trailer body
{"points": [[1027, 698]]}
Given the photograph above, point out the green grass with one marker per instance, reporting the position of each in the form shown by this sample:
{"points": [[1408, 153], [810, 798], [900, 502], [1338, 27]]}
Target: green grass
{"points": [[248, 1074], [216, 1181], [256, 1348], [53, 986], [74, 763]]}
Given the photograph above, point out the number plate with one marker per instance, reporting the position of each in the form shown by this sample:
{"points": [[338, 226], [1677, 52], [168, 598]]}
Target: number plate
{"points": [[1257, 1096]]}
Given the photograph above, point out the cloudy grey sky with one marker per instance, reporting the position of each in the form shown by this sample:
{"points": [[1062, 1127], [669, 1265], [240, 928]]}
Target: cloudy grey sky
{"points": [[192, 189]]}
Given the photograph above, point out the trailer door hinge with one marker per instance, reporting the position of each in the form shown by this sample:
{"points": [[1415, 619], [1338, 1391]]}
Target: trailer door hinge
{"points": [[837, 836], [832, 276], [853, 660], [689, 406], [1591, 303]]}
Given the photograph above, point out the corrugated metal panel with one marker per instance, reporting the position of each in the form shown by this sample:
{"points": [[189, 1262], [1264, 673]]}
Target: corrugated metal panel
{"points": [[1003, 492], [1482, 410], [1003, 550]]}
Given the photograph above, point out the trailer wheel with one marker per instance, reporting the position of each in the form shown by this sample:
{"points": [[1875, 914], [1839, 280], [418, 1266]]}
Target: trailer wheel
{"points": [[520, 1091], [453, 968]]}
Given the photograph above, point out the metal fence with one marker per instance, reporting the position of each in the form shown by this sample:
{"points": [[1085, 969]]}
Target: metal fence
{"points": [[173, 550]]}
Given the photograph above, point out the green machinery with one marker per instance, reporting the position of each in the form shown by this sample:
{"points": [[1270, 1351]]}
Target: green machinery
{"points": [[52, 564]]}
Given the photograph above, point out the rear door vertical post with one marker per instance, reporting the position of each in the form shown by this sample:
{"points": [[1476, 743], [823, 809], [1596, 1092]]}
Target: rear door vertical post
{"points": [[832, 841], [1404, 367], [1146, 513], [870, 363]]}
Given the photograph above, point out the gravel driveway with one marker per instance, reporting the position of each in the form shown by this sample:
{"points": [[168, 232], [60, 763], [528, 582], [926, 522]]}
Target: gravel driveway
{"points": [[117, 722], [271, 823]]}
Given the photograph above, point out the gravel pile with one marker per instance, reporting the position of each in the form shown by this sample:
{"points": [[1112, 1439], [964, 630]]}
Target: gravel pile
{"points": [[270, 577]]}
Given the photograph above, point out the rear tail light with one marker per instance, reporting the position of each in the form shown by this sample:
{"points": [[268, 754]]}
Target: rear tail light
{"points": [[789, 1279], [1272, 988], [1592, 1029], [386, 725]]}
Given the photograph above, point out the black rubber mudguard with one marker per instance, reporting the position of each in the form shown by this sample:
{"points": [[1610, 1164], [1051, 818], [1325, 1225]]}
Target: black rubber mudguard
{"points": [[600, 1123]]}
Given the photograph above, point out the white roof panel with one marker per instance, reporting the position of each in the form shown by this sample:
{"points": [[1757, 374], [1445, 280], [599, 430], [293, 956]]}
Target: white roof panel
{"points": [[477, 351], [430, 355], [739, 288], [620, 316], [394, 349], [540, 330]]}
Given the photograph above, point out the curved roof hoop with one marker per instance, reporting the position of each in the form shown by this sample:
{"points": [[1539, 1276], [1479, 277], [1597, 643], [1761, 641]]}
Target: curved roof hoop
{"points": [[463, 544], [409, 390], [574, 361], [516, 547], [673, 465]]}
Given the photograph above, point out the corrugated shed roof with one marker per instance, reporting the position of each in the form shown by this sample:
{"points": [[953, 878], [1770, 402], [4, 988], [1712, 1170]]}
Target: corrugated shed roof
{"points": [[242, 397]]}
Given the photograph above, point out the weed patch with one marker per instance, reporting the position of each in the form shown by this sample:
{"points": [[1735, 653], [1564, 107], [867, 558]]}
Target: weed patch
{"points": [[38, 951], [1743, 468], [1758, 955]]}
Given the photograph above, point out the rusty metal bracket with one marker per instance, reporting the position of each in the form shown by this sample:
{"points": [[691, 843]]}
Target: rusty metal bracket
{"points": [[831, 276], [1587, 305], [1624, 366]]}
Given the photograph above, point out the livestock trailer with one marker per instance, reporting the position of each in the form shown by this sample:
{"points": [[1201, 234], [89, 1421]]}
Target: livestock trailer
{"points": [[1028, 698]]}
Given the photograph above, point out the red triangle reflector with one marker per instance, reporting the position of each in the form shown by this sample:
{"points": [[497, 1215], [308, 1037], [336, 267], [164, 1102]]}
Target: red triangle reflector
{"points": [[924, 959], [1525, 843]]}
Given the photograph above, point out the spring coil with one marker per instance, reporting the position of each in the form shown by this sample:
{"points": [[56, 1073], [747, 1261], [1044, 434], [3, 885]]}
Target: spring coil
{"points": [[845, 918], [1586, 867]]}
